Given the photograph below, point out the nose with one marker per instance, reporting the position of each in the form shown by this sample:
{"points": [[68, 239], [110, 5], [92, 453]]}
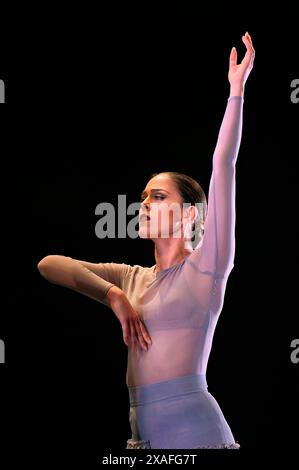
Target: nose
{"points": [[145, 205]]}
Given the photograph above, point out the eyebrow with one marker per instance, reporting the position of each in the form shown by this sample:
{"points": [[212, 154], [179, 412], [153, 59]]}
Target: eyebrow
{"points": [[153, 190]]}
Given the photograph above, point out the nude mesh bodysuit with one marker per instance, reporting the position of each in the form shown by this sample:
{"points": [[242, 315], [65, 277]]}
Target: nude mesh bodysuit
{"points": [[180, 306]]}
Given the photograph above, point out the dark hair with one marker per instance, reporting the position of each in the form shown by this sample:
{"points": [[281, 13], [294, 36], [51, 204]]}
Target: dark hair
{"points": [[191, 193]]}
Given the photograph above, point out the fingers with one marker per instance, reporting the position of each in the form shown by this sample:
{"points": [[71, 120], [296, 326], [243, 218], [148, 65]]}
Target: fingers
{"points": [[233, 57], [135, 334], [145, 333], [250, 52], [133, 339], [247, 41], [126, 333], [139, 335], [249, 56], [247, 35]]}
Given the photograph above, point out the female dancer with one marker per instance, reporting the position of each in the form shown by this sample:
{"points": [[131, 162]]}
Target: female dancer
{"points": [[169, 312]]}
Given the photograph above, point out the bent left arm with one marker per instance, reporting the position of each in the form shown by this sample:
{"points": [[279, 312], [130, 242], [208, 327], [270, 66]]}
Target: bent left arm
{"points": [[217, 253]]}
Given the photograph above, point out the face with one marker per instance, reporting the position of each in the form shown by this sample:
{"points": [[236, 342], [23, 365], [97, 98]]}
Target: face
{"points": [[161, 212]]}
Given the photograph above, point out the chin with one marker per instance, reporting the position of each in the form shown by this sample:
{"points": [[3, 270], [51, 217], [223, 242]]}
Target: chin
{"points": [[144, 232]]}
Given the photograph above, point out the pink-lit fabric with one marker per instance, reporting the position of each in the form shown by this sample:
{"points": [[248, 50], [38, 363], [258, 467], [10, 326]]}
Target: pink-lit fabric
{"points": [[180, 307]]}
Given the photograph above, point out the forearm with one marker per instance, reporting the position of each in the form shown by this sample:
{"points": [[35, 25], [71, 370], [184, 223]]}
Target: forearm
{"points": [[90, 284], [70, 273], [230, 132]]}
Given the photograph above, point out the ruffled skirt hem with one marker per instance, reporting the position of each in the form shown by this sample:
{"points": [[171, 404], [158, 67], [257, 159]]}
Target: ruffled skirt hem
{"points": [[143, 444]]}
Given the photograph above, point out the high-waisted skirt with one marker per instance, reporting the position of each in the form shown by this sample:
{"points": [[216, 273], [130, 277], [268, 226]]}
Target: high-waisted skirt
{"points": [[177, 414]]}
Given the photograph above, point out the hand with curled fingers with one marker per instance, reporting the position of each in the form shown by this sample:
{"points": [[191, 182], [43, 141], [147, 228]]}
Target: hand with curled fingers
{"points": [[238, 73], [135, 333]]}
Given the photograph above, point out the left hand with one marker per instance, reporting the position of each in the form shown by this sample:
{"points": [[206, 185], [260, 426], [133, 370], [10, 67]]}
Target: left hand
{"points": [[238, 73]]}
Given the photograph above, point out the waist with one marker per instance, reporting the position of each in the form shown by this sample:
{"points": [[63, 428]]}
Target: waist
{"points": [[179, 386]]}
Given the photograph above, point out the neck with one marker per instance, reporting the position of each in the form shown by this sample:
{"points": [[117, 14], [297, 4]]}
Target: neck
{"points": [[170, 251]]}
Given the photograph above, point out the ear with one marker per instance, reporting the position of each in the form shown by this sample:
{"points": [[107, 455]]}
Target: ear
{"points": [[193, 213]]}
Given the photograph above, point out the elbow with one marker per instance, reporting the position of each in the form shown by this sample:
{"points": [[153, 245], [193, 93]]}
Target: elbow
{"points": [[45, 266], [228, 270], [225, 269]]}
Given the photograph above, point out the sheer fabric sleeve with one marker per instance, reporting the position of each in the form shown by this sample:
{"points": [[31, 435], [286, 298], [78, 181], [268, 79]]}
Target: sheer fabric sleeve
{"points": [[91, 279], [107, 276], [217, 252]]}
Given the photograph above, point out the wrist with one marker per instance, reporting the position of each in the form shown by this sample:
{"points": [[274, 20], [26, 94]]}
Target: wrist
{"points": [[236, 89], [114, 294]]}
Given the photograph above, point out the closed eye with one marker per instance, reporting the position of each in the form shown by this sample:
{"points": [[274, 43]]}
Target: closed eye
{"points": [[157, 196]]}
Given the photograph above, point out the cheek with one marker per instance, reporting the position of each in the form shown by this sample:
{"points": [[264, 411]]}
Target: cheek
{"points": [[158, 218], [168, 218], [174, 215], [165, 219]]}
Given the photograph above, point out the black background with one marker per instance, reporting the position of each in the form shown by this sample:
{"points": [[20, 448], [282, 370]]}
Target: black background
{"points": [[91, 116]]}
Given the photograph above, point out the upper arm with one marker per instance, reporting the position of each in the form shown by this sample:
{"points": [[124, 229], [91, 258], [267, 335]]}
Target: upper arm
{"points": [[218, 246]]}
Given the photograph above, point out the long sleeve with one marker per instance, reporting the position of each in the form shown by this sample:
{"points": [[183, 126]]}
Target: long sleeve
{"points": [[91, 279], [218, 247], [95, 279]]}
